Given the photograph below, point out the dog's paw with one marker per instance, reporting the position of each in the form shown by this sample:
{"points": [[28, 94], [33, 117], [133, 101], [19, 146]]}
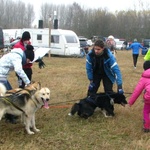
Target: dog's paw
{"points": [[36, 130], [69, 114], [106, 116], [31, 132]]}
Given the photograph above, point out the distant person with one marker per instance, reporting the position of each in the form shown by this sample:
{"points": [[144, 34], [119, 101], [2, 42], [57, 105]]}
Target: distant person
{"points": [[101, 65], [143, 86], [135, 46], [14, 61], [111, 44], [125, 43]]}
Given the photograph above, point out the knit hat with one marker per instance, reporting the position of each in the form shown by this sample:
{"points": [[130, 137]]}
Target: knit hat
{"points": [[29, 52], [135, 40], [111, 37], [146, 65], [26, 36]]}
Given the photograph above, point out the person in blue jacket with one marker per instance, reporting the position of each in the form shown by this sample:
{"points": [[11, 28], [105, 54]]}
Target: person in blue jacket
{"points": [[101, 65], [135, 46]]}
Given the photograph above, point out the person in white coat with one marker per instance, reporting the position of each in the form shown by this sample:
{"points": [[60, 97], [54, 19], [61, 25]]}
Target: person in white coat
{"points": [[14, 61]]}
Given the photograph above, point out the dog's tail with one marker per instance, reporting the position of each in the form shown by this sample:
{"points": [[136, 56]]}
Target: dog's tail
{"points": [[2, 89]]}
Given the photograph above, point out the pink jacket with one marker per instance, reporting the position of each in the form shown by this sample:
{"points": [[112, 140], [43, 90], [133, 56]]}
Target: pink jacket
{"points": [[143, 84]]}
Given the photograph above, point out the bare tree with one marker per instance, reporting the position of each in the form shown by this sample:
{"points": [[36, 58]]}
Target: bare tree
{"points": [[30, 16], [129, 24], [16, 14], [2, 6]]}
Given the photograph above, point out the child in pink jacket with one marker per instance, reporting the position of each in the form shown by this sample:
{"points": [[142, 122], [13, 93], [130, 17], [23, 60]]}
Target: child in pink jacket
{"points": [[143, 85]]}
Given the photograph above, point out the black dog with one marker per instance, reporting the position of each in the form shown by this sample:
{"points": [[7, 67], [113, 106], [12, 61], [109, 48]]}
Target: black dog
{"points": [[86, 107]]}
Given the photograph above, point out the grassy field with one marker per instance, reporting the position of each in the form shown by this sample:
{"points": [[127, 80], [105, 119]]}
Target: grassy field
{"points": [[66, 78]]}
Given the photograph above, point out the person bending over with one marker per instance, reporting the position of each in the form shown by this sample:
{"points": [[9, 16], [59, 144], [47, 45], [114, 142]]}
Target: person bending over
{"points": [[101, 65]]}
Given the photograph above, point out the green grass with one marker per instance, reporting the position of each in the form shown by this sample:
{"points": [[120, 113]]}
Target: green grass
{"points": [[66, 78]]}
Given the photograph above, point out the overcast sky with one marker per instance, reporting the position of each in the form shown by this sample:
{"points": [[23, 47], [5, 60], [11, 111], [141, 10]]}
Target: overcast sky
{"points": [[111, 5]]}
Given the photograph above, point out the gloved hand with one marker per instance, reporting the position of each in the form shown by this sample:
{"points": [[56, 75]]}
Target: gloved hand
{"points": [[91, 86], [120, 91], [41, 63]]}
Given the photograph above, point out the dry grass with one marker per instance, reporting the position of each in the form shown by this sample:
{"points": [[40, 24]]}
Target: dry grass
{"points": [[66, 77]]}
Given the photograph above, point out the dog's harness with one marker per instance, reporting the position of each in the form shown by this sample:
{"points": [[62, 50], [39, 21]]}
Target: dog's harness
{"points": [[35, 102], [111, 99], [18, 94], [93, 100], [8, 101]]}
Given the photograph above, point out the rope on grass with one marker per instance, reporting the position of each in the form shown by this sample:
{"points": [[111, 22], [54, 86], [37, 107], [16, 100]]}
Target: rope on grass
{"points": [[55, 105], [60, 106]]}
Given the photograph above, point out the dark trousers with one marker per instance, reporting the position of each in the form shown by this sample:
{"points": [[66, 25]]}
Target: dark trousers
{"points": [[28, 72], [107, 84], [135, 58]]}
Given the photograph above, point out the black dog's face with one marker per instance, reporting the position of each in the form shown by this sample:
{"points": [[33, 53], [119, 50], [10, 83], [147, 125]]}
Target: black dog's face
{"points": [[83, 109]]}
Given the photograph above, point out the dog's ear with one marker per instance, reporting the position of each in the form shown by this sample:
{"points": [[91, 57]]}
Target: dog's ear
{"points": [[74, 108]]}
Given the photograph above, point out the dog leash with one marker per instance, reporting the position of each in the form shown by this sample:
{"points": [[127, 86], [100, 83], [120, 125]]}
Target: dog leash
{"points": [[65, 102], [128, 94], [56, 105], [60, 106]]}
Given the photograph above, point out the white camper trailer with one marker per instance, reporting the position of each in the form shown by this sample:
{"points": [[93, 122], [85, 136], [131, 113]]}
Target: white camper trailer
{"points": [[63, 42]]}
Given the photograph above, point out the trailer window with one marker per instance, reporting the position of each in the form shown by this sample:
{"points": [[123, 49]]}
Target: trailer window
{"points": [[70, 39], [39, 37], [55, 39]]}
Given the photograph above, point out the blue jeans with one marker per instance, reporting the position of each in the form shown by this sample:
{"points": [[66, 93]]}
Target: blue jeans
{"points": [[7, 84], [9, 117]]}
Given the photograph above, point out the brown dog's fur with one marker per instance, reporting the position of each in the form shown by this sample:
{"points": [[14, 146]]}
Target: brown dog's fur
{"points": [[25, 102]]}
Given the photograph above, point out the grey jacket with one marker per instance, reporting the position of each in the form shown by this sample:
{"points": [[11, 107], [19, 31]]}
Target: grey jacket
{"points": [[13, 61]]}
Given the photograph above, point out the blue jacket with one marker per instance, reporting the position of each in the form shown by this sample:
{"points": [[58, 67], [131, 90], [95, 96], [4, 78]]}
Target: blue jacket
{"points": [[111, 67], [135, 47]]}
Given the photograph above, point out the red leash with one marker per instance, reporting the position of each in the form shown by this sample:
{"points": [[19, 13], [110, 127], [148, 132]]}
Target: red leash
{"points": [[60, 106]]}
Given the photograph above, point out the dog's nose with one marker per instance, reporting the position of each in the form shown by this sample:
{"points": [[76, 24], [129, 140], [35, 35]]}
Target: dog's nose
{"points": [[47, 99]]}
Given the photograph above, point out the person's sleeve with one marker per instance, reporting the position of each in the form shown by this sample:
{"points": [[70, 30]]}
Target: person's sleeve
{"points": [[130, 47], [136, 93], [89, 69], [17, 63], [116, 70]]}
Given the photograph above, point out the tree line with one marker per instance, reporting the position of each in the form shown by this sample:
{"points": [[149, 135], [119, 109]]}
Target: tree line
{"points": [[86, 22]]}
